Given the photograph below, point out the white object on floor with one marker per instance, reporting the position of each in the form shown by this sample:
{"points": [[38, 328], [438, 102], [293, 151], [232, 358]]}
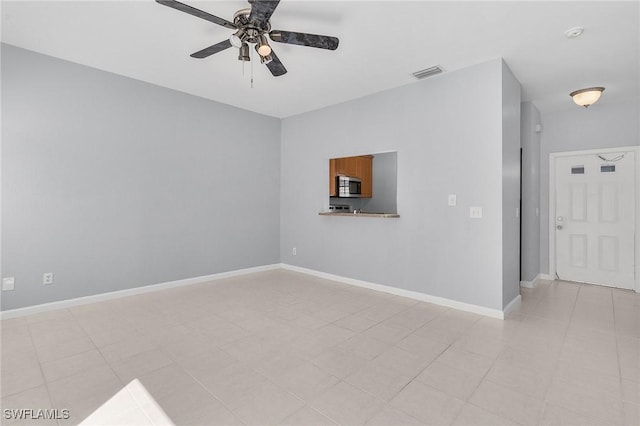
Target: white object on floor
{"points": [[133, 405]]}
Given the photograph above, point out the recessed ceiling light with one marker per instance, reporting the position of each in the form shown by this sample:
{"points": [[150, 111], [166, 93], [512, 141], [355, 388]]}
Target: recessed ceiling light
{"points": [[574, 32]]}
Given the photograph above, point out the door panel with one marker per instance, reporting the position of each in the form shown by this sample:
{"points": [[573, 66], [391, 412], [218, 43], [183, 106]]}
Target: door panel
{"points": [[595, 218], [578, 202], [578, 251], [608, 203], [608, 253]]}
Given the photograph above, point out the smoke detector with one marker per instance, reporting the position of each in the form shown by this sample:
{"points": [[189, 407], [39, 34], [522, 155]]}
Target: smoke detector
{"points": [[574, 32]]}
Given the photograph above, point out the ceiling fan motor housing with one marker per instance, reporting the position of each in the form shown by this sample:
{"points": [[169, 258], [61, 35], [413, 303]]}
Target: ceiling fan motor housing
{"points": [[250, 30]]}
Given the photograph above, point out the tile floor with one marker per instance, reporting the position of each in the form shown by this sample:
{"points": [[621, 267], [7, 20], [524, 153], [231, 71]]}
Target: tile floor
{"points": [[280, 347]]}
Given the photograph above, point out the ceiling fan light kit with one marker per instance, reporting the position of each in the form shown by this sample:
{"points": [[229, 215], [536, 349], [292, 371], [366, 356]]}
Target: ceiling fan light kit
{"points": [[252, 25], [236, 38], [266, 59], [243, 54], [586, 97], [262, 46]]}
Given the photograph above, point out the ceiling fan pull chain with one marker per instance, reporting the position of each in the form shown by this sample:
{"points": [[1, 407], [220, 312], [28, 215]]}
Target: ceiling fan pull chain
{"points": [[251, 60]]}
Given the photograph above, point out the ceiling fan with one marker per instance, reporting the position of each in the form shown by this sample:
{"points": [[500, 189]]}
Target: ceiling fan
{"points": [[252, 25]]}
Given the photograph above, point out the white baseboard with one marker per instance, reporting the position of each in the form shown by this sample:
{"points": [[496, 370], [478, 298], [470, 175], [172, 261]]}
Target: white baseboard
{"points": [[481, 310], [514, 304], [534, 283], [527, 284], [530, 284], [63, 304]]}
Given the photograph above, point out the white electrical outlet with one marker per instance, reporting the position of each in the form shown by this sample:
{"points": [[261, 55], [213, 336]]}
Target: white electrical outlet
{"points": [[294, 251], [453, 200], [47, 278], [475, 212], [8, 283]]}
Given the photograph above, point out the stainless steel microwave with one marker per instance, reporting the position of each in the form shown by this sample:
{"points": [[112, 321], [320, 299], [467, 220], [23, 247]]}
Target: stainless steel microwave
{"points": [[349, 187]]}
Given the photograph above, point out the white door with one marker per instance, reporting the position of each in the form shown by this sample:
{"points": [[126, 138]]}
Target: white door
{"points": [[595, 218]]}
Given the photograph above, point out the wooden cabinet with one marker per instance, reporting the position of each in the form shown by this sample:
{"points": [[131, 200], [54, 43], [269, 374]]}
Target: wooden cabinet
{"points": [[332, 177], [347, 166], [364, 170], [360, 167]]}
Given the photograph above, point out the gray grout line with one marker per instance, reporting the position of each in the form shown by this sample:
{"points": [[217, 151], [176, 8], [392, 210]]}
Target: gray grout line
{"points": [[555, 368], [615, 334], [44, 381]]}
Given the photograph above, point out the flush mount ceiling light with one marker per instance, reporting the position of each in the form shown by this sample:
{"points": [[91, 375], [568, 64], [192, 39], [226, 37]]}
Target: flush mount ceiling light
{"points": [[586, 97]]}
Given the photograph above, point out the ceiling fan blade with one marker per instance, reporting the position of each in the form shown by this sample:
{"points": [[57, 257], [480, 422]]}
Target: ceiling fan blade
{"points": [[275, 66], [304, 39], [208, 51], [197, 12], [261, 11]]}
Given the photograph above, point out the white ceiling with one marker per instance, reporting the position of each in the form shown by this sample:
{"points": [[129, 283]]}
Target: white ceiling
{"points": [[381, 44]]}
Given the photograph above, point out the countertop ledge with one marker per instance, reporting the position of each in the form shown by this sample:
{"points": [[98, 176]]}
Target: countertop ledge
{"points": [[386, 215]]}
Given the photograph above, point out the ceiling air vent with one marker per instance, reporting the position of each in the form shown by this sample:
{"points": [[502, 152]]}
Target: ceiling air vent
{"points": [[427, 72]]}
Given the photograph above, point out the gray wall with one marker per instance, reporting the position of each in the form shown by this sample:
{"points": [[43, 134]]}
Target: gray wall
{"points": [[530, 192], [385, 184], [111, 183], [510, 186], [446, 144], [606, 124]]}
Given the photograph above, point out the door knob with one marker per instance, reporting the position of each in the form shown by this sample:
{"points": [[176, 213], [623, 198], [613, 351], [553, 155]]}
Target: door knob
{"points": [[559, 227]]}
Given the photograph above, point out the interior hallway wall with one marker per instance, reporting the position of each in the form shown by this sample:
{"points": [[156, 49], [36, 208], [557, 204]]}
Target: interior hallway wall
{"points": [[511, 97], [530, 138]]}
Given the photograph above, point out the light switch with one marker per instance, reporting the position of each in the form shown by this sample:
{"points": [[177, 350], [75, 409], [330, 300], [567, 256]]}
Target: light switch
{"points": [[517, 211], [452, 200], [475, 212], [47, 278], [8, 283]]}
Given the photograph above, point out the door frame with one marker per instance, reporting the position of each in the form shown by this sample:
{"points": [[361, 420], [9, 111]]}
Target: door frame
{"points": [[552, 204]]}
